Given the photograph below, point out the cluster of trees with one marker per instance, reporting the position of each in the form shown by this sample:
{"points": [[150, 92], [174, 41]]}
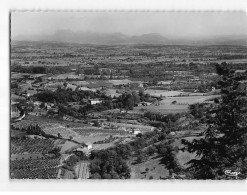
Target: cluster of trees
{"points": [[163, 118], [65, 110], [29, 69], [128, 101], [168, 153], [229, 57], [110, 163], [207, 87], [70, 162], [92, 71], [56, 151], [160, 143], [106, 140], [62, 95], [40, 69], [14, 85], [33, 129], [198, 110]]}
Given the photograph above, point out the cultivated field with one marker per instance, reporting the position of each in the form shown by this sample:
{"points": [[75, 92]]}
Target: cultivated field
{"points": [[54, 129], [19, 146], [143, 128], [182, 104], [82, 170], [34, 169], [158, 93]]}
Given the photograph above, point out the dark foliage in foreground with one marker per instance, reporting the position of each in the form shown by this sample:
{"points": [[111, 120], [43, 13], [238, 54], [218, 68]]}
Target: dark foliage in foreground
{"points": [[224, 146]]}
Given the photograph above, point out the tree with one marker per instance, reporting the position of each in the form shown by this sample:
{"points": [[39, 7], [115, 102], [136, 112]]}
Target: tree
{"points": [[107, 176], [224, 146], [140, 157], [151, 150], [130, 103], [55, 151], [115, 175], [95, 176], [136, 97], [65, 84]]}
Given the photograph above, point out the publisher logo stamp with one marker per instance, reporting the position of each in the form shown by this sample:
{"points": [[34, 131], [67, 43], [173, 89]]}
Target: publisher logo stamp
{"points": [[232, 173]]}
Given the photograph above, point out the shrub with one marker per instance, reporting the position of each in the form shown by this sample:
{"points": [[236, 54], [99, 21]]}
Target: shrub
{"points": [[95, 176]]}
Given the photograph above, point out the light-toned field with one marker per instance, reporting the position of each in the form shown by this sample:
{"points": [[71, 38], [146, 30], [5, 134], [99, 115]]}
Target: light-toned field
{"points": [[90, 139], [99, 83], [54, 129], [67, 146], [103, 146], [184, 157], [158, 93], [120, 82], [112, 92], [92, 131], [131, 126], [156, 169], [79, 83], [163, 108], [181, 105]]}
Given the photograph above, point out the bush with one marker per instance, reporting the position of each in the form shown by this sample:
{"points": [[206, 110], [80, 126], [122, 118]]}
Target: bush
{"points": [[107, 176], [151, 150], [140, 158], [95, 176]]}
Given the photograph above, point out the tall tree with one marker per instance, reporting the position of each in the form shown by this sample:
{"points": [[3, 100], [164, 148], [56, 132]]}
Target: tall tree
{"points": [[224, 145]]}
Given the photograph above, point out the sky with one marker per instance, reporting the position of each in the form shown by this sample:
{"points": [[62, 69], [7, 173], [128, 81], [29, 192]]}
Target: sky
{"points": [[176, 24]]}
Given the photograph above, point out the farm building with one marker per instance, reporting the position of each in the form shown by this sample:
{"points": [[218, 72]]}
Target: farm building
{"points": [[172, 133], [95, 101], [37, 103], [89, 145], [144, 104], [86, 89], [135, 132], [85, 148]]}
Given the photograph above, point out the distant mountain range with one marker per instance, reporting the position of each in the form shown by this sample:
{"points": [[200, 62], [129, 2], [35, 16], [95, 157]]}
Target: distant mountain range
{"points": [[88, 37]]}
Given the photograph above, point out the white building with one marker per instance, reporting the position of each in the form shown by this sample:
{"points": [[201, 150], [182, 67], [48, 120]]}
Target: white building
{"points": [[135, 132], [95, 101], [89, 145]]}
